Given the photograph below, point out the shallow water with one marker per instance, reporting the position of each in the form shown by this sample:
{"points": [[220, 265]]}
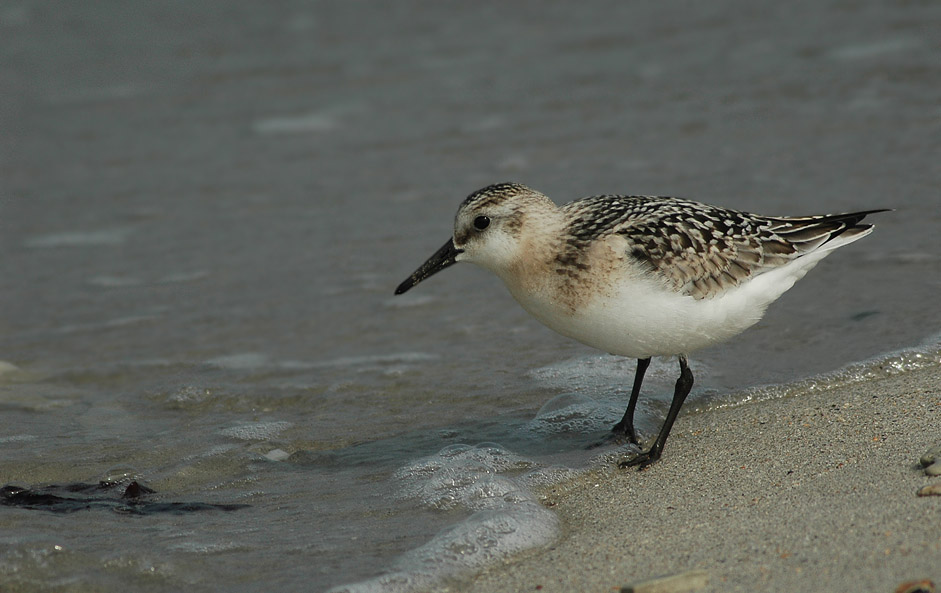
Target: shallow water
{"points": [[206, 208]]}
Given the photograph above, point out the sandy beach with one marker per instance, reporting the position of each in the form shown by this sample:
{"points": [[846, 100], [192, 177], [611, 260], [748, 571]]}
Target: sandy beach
{"points": [[815, 492]]}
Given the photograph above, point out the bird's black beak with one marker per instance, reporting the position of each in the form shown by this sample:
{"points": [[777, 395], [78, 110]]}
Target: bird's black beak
{"points": [[442, 258]]}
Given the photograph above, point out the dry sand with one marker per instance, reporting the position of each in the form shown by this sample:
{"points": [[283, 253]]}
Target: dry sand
{"points": [[810, 493]]}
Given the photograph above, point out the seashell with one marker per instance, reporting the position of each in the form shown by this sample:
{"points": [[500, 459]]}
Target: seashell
{"points": [[924, 586], [677, 583], [930, 490]]}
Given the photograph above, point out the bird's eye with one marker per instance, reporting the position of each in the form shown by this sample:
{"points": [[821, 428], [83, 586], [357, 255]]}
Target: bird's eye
{"points": [[481, 222]]}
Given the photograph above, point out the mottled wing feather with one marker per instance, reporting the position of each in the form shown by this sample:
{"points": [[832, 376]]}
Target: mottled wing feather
{"points": [[703, 250], [700, 258]]}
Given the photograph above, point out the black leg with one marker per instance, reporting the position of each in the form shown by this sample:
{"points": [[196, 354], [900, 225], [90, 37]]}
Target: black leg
{"points": [[626, 426], [683, 385]]}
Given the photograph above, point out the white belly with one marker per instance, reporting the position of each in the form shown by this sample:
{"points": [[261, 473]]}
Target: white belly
{"points": [[639, 318]]}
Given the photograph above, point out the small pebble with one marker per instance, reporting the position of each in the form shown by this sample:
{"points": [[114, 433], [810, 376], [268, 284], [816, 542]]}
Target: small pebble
{"points": [[924, 586], [930, 490], [277, 455], [931, 456], [677, 583], [934, 469]]}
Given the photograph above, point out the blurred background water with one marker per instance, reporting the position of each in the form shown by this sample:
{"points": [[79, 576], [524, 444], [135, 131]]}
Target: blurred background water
{"points": [[206, 206]]}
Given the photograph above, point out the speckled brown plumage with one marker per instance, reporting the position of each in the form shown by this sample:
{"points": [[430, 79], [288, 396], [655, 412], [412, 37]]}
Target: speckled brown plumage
{"points": [[695, 248]]}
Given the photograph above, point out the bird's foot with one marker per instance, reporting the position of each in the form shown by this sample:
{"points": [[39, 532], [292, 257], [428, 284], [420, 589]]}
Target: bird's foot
{"points": [[624, 433], [641, 461], [617, 436]]}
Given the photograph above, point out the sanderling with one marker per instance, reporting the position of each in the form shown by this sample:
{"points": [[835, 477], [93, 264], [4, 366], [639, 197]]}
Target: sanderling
{"points": [[638, 276]]}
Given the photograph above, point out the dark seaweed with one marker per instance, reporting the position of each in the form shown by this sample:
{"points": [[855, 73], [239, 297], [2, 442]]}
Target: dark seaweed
{"points": [[125, 498]]}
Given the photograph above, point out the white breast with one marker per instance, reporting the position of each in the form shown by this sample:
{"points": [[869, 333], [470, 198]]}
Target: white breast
{"points": [[638, 317]]}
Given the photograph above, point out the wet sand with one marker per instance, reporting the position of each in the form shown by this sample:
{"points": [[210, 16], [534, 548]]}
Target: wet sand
{"points": [[815, 492]]}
